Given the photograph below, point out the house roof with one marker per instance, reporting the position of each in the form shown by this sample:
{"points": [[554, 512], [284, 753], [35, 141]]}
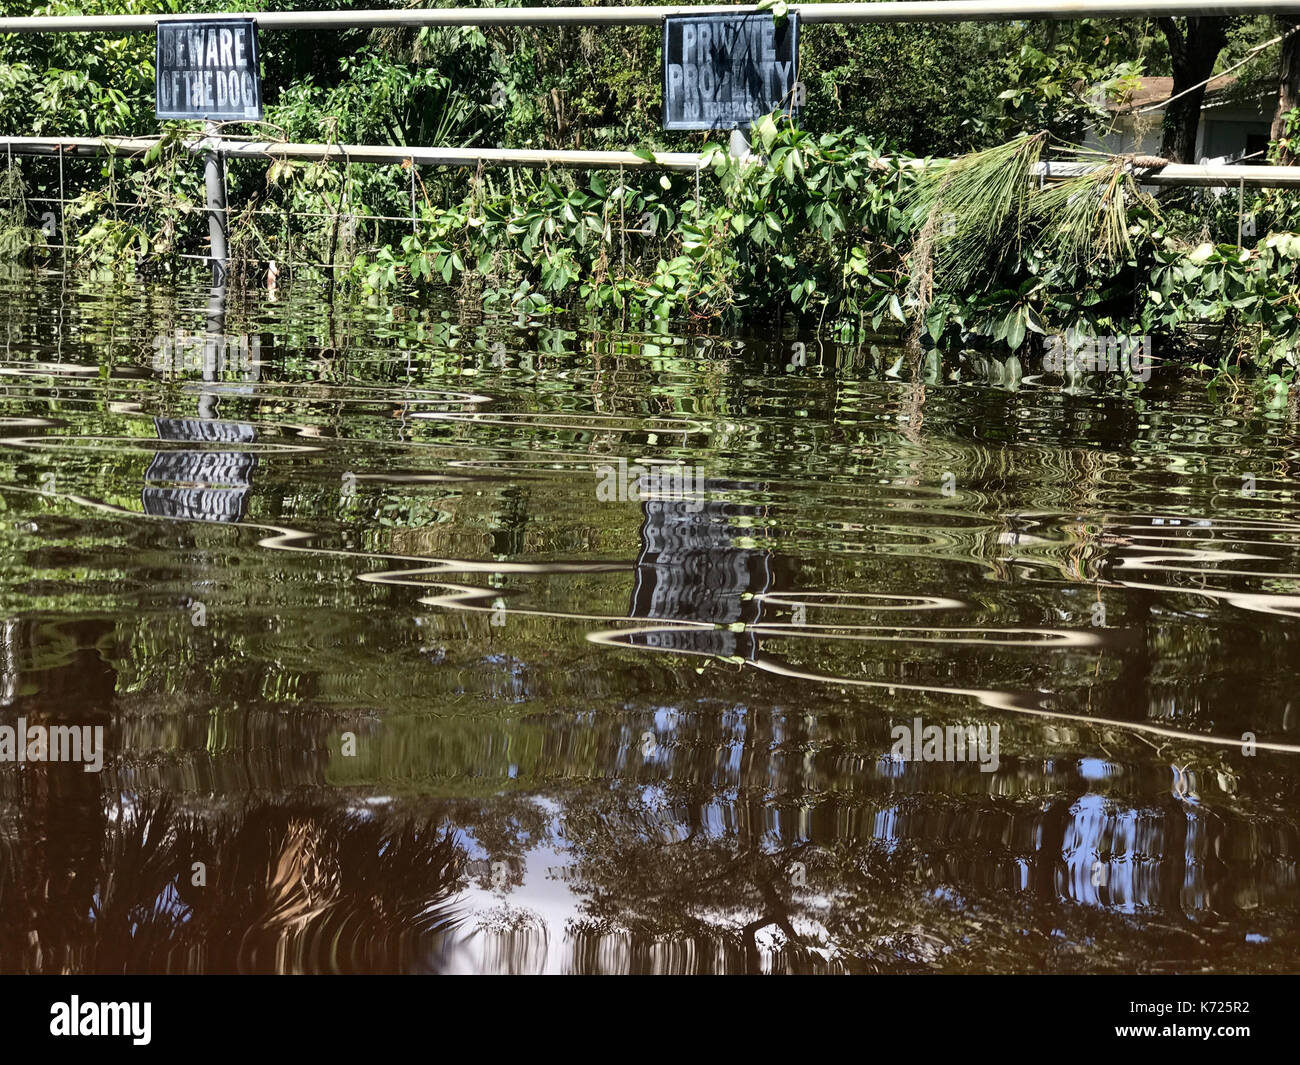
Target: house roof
{"points": [[1153, 90]]}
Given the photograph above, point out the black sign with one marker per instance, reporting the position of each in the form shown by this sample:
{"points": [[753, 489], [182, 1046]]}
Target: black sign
{"points": [[725, 71], [208, 69]]}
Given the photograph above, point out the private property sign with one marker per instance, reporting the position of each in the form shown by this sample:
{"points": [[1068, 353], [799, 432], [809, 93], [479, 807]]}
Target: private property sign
{"points": [[725, 71], [208, 69]]}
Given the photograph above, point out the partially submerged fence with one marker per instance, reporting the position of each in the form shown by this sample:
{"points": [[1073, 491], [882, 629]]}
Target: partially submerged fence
{"points": [[409, 159], [123, 151], [216, 149]]}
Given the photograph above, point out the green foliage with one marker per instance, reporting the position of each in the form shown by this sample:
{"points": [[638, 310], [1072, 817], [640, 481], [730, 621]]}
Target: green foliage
{"points": [[787, 235], [1061, 80], [977, 203], [1285, 147], [18, 240], [1251, 295]]}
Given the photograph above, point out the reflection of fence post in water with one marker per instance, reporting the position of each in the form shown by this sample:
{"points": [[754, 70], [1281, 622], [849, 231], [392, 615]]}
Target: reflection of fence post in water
{"points": [[214, 354], [9, 659], [689, 569], [204, 485], [51, 842], [214, 342]]}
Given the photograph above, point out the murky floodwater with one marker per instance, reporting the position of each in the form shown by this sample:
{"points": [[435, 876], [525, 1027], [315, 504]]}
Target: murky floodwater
{"points": [[400, 666]]}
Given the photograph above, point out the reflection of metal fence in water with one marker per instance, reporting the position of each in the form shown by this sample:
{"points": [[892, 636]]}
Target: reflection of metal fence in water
{"points": [[9, 659], [214, 355], [690, 569], [200, 485]]}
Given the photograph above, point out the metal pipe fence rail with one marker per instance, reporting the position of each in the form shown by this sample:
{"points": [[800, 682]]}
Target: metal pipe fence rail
{"points": [[96, 147], [1169, 175], [216, 149]]}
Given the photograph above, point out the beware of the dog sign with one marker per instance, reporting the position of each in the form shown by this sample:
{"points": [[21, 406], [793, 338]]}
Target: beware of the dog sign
{"points": [[208, 69], [726, 71]]}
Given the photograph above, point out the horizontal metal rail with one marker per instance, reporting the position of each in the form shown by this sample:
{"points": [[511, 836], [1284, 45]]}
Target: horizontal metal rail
{"points": [[650, 15], [72, 147], [1173, 174], [1218, 175]]}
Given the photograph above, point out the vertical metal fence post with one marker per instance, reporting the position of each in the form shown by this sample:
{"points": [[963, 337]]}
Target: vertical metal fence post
{"points": [[334, 234], [288, 226], [351, 230], [1241, 209], [63, 208], [412, 195], [214, 179]]}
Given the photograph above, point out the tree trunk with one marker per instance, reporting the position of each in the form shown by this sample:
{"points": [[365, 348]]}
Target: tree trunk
{"points": [[1288, 93], [1193, 50]]}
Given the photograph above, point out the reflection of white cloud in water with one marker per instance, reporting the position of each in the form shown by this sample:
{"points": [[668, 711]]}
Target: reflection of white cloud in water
{"points": [[1096, 769], [513, 932]]}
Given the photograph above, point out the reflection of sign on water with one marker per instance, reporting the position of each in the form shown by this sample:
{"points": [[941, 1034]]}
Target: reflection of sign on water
{"points": [[725, 71], [689, 569], [200, 485], [208, 69]]}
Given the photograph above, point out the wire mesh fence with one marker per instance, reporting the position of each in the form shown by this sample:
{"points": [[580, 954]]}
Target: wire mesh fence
{"points": [[60, 200], [319, 210]]}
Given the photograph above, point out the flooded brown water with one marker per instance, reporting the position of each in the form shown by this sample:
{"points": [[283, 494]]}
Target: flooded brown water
{"points": [[398, 669]]}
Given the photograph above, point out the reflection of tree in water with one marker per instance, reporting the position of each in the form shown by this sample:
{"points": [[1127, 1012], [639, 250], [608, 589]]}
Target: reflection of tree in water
{"points": [[651, 871], [303, 884], [651, 878], [680, 860], [94, 882], [51, 814]]}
